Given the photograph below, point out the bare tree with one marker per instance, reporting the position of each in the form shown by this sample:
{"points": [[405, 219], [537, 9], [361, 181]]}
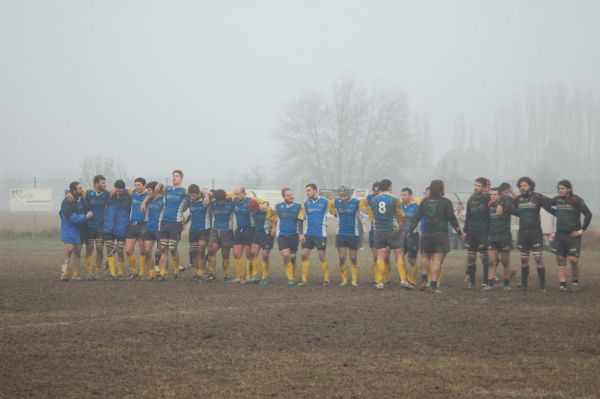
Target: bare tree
{"points": [[353, 136], [99, 165]]}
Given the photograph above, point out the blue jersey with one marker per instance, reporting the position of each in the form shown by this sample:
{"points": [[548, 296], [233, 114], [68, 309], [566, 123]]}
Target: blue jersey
{"points": [[348, 216], [411, 212], [244, 214], [136, 214], [288, 215], [263, 221], [96, 202], [154, 213], [316, 212], [386, 209], [199, 213], [222, 214], [174, 204]]}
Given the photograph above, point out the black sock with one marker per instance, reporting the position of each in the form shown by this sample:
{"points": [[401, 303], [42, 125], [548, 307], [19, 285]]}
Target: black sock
{"points": [[524, 275], [575, 281], [486, 266], [491, 282], [434, 284], [506, 282], [156, 258], [471, 272], [563, 284], [541, 271], [423, 278], [191, 260]]}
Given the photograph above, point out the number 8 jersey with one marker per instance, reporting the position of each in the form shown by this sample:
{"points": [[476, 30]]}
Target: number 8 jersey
{"points": [[386, 209]]}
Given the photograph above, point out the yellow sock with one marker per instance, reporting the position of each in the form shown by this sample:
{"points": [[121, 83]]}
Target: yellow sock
{"points": [[305, 265], [380, 272], [344, 273], [64, 271], [239, 269], [255, 264], [111, 266], [89, 265], [200, 272], [289, 271], [74, 271], [265, 270], [142, 265], [121, 264], [354, 272], [401, 270], [163, 273], [387, 277], [226, 267], [98, 268], [414, 270], [325, 271], [294, 268], [132, 264], [175, 265], [248, 268], [212, 264]]}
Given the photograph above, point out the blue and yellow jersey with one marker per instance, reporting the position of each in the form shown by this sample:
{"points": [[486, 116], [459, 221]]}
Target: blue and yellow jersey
{"points": [[315, 214], [411, 211], [347, 214], [244, 211], [222, 214], [288, 216], [174, 204], [136, 214], [386, 209], [200, 216], [154, 213], [263, 221], [364, 207], [96, 202]]}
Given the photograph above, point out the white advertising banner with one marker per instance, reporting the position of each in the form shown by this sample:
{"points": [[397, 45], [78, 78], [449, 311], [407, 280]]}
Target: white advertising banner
{"points": [[30, 199]]}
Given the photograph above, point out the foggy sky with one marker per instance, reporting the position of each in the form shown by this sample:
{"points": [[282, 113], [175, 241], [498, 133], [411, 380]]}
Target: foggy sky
{"points": [[188, 84]]}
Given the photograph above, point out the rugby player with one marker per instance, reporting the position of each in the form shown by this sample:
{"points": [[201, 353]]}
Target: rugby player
{"points": [[567, 239], [264, 222], [197, 202], [347, 209], [530, 239], [388, 219], [476, 230], [172, 224], [500, 239], [116, 222], [153, 215], [245, 208], [436, 212], [135, 229], [411, 241], [73, 217], [315, 232], [95, 200], [364, 204], [221, 234], [290, 221]]}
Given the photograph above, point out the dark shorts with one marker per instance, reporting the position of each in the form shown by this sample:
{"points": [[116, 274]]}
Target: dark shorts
{"points": [[477, 241], [565, 245], [199, 235], [288, 242], [150, 235], [311, 242], [411, 245], [113, 237], [350, 242], [170, 230], [435, 243], [391, 240], [92, 234], [371, 238], [135, 230], [265, 241], [244, 236], [224, 238], [530, 240], [500, 242]]}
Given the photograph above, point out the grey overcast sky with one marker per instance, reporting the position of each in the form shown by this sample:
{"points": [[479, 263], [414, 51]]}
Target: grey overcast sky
{"points": [[200, 85]]}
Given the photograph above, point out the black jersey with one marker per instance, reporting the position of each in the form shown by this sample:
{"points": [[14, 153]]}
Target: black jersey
{"points": [[527, 208], [501, 224], [436, 212], [477, 218], [568, 213]]}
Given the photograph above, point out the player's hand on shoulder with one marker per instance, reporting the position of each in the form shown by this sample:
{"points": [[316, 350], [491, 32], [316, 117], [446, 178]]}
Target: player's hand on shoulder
{"points": [[89, 214]]}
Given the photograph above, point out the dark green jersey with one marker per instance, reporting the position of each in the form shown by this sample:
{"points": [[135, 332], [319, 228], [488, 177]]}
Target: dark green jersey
{"points": [[527, 208], [436, 213], [568, 213], [500, 224], [477, 218]]}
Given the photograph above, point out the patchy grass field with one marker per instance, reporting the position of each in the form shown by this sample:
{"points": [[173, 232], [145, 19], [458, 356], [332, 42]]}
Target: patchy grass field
{"points": [[183, 339]]}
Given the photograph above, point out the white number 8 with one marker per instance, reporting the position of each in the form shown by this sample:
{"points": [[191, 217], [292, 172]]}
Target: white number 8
{"points": [[382, 207]]}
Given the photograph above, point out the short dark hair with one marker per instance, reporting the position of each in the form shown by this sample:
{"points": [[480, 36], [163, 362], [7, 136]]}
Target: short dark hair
{"points": [[375, 186], [482, 180], [566, 184], [193, 189], [496, 189], [407, 190], [437, 188], [98, 179], [504, 186], [73, 186], [120, 184], [178, 171], [140, 180], [220, 194], [311, 185], [385, 184], [527, 180], [284, 190], [152, 185]]}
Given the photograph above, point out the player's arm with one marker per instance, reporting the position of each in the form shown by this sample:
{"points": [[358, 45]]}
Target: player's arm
{"points": [[399, 212], [467, 216], [547, 204], [415, 222], [331, 207]]}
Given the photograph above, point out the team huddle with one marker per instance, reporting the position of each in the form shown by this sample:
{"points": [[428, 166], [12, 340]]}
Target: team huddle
{"points": [[153, 216]]}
